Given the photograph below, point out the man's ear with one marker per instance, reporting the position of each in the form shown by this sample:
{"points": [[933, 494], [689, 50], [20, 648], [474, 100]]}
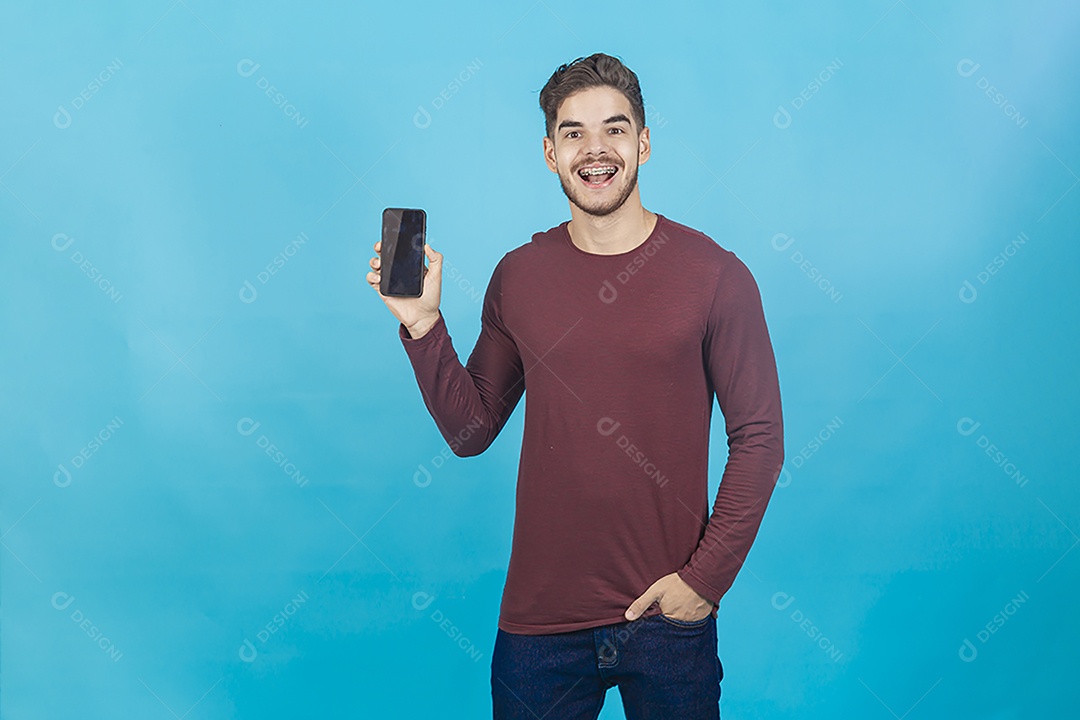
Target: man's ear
{"points": [[549, 154], [644, 146]]}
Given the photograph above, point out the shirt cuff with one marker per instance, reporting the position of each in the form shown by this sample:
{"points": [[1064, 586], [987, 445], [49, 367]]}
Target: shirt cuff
{"points": [[700, 587], [439, 328]]}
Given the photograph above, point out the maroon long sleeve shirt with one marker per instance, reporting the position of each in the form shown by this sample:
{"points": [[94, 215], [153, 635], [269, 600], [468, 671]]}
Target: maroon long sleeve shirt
{"points": [[621, 356]]}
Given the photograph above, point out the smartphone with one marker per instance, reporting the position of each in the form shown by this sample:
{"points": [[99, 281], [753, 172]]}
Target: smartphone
{"points": [[401, 255]]}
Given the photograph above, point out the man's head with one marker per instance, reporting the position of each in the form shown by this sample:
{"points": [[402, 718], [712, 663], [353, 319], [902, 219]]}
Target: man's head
{"points": [[594, 117]]}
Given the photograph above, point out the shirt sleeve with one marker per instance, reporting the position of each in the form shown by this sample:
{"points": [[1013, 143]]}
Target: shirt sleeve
{"points": [[741, 367], [470, 404]]}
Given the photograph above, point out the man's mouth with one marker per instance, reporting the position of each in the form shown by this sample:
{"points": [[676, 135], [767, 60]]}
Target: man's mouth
{"points": [[598, 176]]}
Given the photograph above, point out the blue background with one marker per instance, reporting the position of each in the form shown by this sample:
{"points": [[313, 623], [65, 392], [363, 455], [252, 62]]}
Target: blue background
{"points": [[148, 179]]}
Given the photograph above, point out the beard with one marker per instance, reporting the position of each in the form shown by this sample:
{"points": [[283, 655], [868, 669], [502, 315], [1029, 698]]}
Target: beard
{"points": [[583, 198]]}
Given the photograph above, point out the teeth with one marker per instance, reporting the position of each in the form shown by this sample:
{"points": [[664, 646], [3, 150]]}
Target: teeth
{"points": [[597, 170]]}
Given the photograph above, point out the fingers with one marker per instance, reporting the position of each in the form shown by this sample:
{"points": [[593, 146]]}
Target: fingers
{"points": [[373, 277], [645, 601], [375, 263]]}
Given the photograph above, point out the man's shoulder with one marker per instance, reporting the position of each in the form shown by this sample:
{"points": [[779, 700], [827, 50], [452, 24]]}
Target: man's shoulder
{"points": [[696, 242], [722, 264], [541, 243]]}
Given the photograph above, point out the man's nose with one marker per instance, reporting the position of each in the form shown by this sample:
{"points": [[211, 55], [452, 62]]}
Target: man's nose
{"points": [[598, 145]]}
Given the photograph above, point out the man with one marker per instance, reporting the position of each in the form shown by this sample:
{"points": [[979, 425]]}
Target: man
{"points": [[622, 324]]}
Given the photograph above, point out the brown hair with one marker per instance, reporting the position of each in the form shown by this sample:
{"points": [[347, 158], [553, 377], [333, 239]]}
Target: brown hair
{"points": [[597, 70]]}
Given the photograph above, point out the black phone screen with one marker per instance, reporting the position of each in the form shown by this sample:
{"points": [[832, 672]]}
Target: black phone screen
{"points": [[402, 255]]}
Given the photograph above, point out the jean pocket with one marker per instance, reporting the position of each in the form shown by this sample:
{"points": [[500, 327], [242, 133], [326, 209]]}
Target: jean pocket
{"points": [[685, 623]]}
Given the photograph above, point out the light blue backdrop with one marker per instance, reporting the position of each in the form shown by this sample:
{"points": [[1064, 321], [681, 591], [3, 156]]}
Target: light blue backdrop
{"points": [[212, 436]]}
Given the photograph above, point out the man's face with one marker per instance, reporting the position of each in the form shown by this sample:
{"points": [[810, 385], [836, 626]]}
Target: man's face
{"points": [[594, 128]]}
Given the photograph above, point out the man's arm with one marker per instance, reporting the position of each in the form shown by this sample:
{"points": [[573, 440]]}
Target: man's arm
{"points": [[742, 371], [470, 404]]}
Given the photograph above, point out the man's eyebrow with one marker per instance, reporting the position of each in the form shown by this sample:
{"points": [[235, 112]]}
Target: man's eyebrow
{"points": [[613, 119]]}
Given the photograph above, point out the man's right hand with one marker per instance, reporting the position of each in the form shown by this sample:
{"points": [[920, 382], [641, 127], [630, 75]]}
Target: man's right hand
{"points": [[418, 314]]}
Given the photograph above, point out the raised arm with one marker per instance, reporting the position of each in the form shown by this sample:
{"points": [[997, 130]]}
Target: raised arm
{"points": [[470, 403]]}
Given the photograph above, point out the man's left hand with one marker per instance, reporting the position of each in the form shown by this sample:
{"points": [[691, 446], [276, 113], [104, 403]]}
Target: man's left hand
{"points": [[677, 600]]}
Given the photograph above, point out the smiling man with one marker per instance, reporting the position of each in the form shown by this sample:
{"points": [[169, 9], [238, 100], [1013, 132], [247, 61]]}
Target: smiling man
{"points": [[621, 325]]}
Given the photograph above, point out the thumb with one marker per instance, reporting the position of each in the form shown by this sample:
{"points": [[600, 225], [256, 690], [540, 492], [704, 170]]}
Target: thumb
{"points": [[433, 256], [642, 603]]}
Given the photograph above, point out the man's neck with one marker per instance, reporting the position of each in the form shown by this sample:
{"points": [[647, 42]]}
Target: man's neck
{"points": [[619, 232]]}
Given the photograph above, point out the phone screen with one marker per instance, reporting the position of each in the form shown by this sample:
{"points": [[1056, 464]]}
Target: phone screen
{"points": [[402, 252]]}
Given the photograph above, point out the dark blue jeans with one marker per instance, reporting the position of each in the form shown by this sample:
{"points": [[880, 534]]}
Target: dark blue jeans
{"points": [[663, 667]]}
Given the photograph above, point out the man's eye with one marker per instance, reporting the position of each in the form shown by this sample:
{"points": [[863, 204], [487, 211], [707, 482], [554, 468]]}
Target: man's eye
{"points": [[573, 132]]}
